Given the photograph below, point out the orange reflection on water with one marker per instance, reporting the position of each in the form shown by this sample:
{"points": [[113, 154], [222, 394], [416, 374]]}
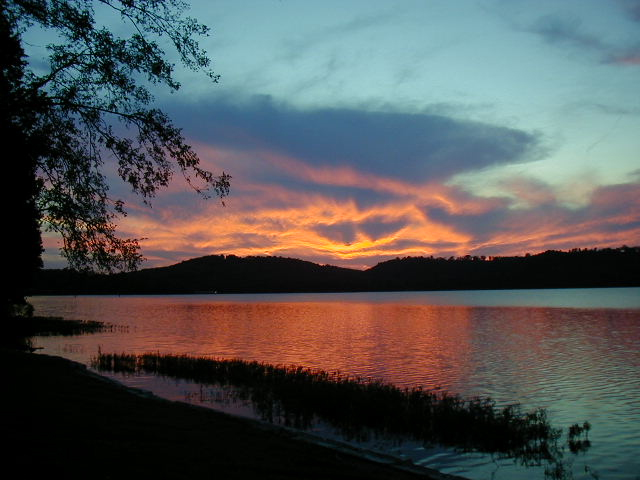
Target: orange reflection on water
{"points": [[403, 344], [536, 355], [581, 363]]}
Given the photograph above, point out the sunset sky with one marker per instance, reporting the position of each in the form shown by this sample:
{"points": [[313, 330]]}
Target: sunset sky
{"points": [[359, 131]]}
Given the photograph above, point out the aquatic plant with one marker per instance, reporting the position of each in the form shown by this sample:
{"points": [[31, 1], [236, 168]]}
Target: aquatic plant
{"points": [[19, 332], [357, 407], [48, 326]]}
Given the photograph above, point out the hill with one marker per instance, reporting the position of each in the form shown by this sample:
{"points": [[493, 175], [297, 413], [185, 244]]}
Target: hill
{"points": [[611, 267], [214, 273]]}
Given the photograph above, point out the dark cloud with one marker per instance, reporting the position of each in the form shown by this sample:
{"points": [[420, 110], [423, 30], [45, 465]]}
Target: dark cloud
{"points": [[480, 225], [381, 228], [346, 232], [416, 146], [631, 8], [297, 48], [568, 30], [614, 109], [621, 202], [349, 232]]}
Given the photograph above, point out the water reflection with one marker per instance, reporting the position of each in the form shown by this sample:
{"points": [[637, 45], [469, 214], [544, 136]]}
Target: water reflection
{"points": [[358, 409], [580, 363]]}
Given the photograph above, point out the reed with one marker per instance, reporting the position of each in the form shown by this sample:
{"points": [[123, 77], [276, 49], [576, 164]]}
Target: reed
{"points": [[357, 407], [48, 326], [18, 332]]}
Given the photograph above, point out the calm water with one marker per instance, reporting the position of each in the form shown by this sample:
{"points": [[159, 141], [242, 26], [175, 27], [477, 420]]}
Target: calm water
{"points": [[575, 352]]}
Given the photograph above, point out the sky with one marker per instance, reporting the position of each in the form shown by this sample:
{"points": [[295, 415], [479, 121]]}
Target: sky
{"points": [[360, 131]]}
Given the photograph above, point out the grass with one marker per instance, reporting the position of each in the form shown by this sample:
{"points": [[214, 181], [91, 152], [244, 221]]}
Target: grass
{"points": [[357, 407]]}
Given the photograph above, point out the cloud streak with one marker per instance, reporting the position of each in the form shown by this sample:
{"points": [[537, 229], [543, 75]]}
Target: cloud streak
{"points": [[319, 185], [355, 134], [320, 229], [420, 146], [345, 216], [566, 30]]}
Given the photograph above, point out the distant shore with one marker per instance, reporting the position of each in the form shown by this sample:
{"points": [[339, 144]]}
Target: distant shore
{"points": [[578, 268], [61, 419]]}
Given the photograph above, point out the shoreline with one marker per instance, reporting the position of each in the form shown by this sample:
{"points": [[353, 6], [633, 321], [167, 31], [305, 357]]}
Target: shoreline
{"points": [[63, 418]]}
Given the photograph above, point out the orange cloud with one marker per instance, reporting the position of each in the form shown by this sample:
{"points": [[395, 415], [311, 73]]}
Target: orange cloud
{"points": [[296, 227], [433, 194], [309, 213]]}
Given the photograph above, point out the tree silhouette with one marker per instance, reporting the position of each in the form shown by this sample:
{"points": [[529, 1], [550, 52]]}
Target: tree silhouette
{"points": [[92, 104], [22, 147]]}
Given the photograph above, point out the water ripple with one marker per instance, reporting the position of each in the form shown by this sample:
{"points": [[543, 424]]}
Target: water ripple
{"points": [[579, 363]]}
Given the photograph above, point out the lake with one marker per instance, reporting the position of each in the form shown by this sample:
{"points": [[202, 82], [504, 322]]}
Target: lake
{"points": [[575, 352]]}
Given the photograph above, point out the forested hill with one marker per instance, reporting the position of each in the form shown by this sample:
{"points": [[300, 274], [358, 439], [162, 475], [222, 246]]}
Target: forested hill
{"points": [[552, 269], [215, 273], [613, 267]]}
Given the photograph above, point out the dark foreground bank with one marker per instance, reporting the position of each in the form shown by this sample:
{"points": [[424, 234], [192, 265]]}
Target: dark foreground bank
{"points": [[61, 420]]}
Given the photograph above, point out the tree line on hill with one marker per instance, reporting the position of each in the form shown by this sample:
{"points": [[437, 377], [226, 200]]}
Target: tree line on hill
{"points": [[608, 267]]}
